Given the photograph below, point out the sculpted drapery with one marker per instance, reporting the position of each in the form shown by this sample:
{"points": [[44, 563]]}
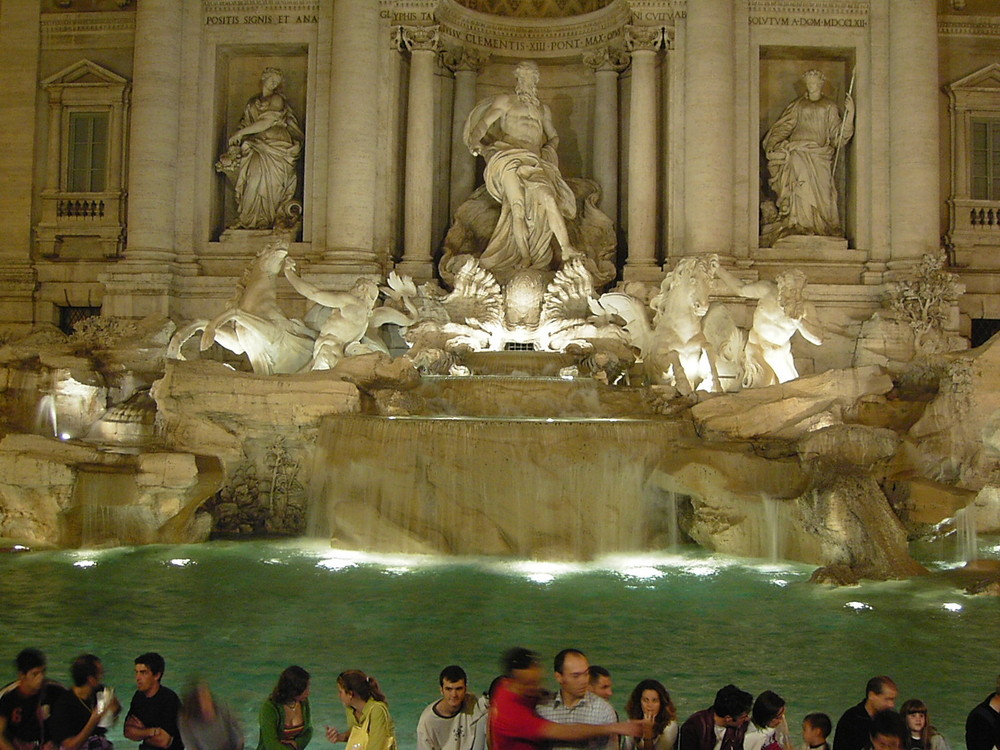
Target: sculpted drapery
{"points": [[800, 149], [264, 153]]}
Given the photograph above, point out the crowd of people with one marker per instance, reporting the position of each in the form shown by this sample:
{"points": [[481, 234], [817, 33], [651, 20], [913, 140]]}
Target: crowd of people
{"points": [[515, 713]]}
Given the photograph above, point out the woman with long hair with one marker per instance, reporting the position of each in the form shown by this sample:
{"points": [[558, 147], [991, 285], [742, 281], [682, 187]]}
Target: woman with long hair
{"points": [[922, 735], [651, 701], [768, 729], [285, 722], [369, 725]]}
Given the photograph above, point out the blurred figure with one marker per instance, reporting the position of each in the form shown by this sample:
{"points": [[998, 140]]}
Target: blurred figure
{"points": [[816, 727], [888, 731], [982, 727], [26, 703], [81, 715], [452, 723], [600, 682], [369, 725], [720, 727], [768, 729], [922, 734], [651, 702], [285, 721], [854, 728], [574, 703], [514, 724], [206, 724]]}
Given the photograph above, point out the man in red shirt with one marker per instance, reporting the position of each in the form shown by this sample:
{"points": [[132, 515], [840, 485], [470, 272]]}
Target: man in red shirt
{"points": [[514, 725]]}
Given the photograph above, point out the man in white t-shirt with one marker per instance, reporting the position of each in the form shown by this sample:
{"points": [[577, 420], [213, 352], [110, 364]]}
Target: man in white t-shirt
{"points": [[450, 723]]}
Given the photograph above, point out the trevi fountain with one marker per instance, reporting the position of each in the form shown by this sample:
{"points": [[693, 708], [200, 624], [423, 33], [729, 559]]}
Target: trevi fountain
{"points": [[481, 321]]}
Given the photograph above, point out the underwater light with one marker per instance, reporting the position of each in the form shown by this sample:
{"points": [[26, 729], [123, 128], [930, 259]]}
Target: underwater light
{"points": [[180, 562], [64, 436], [858, 606], [951, 607], [85, 563]]}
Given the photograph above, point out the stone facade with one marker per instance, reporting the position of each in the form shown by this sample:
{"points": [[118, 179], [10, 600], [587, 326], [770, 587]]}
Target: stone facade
{"points": [[663, 102]]}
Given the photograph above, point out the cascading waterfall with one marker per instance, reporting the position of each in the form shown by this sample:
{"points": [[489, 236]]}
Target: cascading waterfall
{"points": [[967, 538], [772, 534], [46, 417], [108, 513], [528, 487]]}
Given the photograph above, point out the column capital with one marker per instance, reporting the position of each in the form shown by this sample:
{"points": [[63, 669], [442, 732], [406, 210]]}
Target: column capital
{"points": [[606, 59], [458, 59], [418, 38], [650, 38]]}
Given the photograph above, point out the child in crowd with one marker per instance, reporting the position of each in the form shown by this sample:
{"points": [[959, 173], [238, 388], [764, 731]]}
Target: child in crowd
{"points": [[815, 729]]}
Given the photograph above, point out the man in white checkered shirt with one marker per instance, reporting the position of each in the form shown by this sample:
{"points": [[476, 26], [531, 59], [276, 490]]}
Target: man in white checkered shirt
{"points": [[575, 704]]}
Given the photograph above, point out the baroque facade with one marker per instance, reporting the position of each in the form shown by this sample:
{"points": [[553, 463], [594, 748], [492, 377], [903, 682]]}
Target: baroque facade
{"points": [[118, 110]]}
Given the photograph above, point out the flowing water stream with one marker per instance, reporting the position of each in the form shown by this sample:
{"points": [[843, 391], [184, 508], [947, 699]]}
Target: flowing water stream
{"points": [[237, 613]]}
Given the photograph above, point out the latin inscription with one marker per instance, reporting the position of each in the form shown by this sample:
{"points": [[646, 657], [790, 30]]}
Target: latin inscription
{"points": [[856, 23], [264, 19]]}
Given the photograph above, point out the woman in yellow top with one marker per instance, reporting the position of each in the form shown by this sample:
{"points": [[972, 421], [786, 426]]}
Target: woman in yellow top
{"points": [[369, 725]]}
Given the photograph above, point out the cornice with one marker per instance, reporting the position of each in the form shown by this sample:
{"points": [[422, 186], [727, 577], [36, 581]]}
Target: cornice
{"points": [[988, 26], [222, 7], [87, 30]]}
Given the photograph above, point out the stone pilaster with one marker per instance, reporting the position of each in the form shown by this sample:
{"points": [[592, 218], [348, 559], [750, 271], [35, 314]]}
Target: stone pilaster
{"points": [[709, 121], [914, 192], [153, 142], [19, 42], [466, 64], [352, 140], [606, 63], [644, 42], [418, 197]]}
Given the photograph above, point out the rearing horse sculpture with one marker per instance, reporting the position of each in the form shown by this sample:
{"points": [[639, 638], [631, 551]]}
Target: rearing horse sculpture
{"points": [[253, 323]]}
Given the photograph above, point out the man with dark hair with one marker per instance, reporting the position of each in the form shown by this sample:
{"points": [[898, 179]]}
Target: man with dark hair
{"points": [[854, 728], [720, 727], [574, 703], [77, 715], [152, 715], [982, 727], [451, 722], [600, 681], [26, 702], [514, 724], [887, 731]]}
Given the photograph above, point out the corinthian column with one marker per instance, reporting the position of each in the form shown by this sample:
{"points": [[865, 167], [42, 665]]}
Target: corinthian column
{"points": [[466, 64], [641, 265], [914, 198], [418, 197], [352, 145], [606, 64], [156, 102], [709, 116]]}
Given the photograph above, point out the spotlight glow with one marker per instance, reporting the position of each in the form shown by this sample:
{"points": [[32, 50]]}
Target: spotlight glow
{"points": [[85, 563], [858, 606], [181, 562], [951, 607]]}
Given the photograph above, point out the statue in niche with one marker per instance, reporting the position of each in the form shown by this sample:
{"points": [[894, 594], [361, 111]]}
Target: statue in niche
{"points": [[262, 159], [802, 149], [526, 216], [781, 311]]}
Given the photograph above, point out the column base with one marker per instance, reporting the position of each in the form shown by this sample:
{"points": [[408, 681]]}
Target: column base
{"points": [[136, 293], [645, 270], [420, 271], [17, 288]]}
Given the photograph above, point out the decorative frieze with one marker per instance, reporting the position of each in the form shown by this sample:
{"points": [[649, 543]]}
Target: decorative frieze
{"points": [[259, 12], [515, 37], [982, 26], [87, 30]]}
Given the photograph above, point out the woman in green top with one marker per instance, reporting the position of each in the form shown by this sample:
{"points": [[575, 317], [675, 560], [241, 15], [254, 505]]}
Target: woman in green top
{"points": [[369, 725], [284, 717]]}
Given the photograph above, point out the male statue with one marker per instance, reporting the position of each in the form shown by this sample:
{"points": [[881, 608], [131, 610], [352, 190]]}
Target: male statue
{"points": [[515, 134]]}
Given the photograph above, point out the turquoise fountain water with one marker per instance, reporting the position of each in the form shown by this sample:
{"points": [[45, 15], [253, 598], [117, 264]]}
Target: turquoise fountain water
{"points": [[238, 613]]}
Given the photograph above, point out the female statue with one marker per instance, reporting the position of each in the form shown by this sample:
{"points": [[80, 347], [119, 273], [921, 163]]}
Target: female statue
{"points": [[262, 158]]}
